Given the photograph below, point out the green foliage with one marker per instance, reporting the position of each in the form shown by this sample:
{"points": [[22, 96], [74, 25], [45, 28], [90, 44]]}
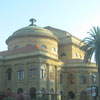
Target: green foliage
{"points": [[92, 45]]}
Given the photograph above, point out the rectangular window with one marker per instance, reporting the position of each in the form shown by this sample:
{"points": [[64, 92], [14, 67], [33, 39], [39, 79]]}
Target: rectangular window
{"points": [[33, 74], [8, 76], [20, 75]]}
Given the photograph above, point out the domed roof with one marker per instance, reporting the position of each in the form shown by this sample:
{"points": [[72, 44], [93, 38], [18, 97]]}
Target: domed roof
{"points": [[31, 30]]}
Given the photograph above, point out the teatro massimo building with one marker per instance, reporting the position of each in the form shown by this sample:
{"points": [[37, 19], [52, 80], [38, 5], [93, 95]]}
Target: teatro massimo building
{"points": [[46, 59]]}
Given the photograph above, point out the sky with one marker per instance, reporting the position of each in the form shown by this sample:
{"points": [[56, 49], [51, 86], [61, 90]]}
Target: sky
{"points": [[75, 16]]}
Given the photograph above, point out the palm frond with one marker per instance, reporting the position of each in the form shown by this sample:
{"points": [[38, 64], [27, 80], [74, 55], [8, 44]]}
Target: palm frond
{"points": [[91, 43]]}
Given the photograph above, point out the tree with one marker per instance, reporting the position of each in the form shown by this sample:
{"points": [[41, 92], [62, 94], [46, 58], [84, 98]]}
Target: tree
{"points": [[91, 45]]}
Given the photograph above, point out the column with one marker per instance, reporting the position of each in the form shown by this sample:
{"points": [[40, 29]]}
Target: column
{"points": [[26, 77], [77, 95], [64, 82], [89, 84], [47, 80], [38, 76], [56, 82], [14, 77]]}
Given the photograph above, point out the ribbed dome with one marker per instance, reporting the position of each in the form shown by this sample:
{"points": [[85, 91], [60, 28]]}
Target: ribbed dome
{"points": [[31, 31]]}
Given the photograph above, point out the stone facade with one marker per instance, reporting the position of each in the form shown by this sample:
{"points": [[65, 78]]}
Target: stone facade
{"points": [[46, 59]]}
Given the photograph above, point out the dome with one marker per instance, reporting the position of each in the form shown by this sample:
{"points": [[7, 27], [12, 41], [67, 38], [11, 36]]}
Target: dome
{"points": [[31, 31]]}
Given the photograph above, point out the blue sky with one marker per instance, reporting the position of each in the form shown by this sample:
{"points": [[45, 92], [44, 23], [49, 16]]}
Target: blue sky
{"points": [[74, 16]]}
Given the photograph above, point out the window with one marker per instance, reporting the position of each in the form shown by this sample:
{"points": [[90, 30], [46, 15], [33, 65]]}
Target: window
{"points": [[93, 77], [71, 78], [33, 72], [83, 79], [20, 73], [75, 54], [9, 73], [63, 54], [80, 56], [53, 49], [42, 72], [16, 46], [51, 73], [44, 47], [71, 95]]}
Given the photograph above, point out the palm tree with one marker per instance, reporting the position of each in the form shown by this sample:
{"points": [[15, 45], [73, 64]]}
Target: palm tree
{"points": [[92, 46]]}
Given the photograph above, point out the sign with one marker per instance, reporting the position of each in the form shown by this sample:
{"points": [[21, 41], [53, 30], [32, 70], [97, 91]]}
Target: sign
{"points": [[93, 91], [89, 90]]}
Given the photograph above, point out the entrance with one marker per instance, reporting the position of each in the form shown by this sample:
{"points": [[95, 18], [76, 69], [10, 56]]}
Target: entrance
{"points": [[71, 95], [83, 95], [33, 93]]}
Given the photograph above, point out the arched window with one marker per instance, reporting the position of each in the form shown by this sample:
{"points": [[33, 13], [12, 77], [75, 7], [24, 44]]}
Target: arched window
{"points": [[53, 49], [63, 54], [32, 72], [83, 79], [51, 73], [9, 74], [20, 73], [93, 78], [42, 72], [75, 54]]}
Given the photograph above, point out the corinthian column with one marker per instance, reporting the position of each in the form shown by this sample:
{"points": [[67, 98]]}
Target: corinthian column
{"points": [[56, 82], [47, 78]]}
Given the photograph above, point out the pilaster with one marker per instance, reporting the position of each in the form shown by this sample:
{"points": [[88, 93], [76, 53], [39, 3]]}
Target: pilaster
{"points": [[38, 76], [48, 78], [56, 82]]}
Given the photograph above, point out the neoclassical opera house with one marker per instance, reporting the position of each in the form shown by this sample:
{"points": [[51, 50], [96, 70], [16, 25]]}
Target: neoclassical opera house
{"points": [[46, 59]]}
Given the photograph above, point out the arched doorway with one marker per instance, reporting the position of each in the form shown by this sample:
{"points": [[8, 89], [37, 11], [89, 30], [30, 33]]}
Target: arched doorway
{"points": [[43, 92], [20, 90], [52, 93], [33, 93], [71, 95], [83, 95]]}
